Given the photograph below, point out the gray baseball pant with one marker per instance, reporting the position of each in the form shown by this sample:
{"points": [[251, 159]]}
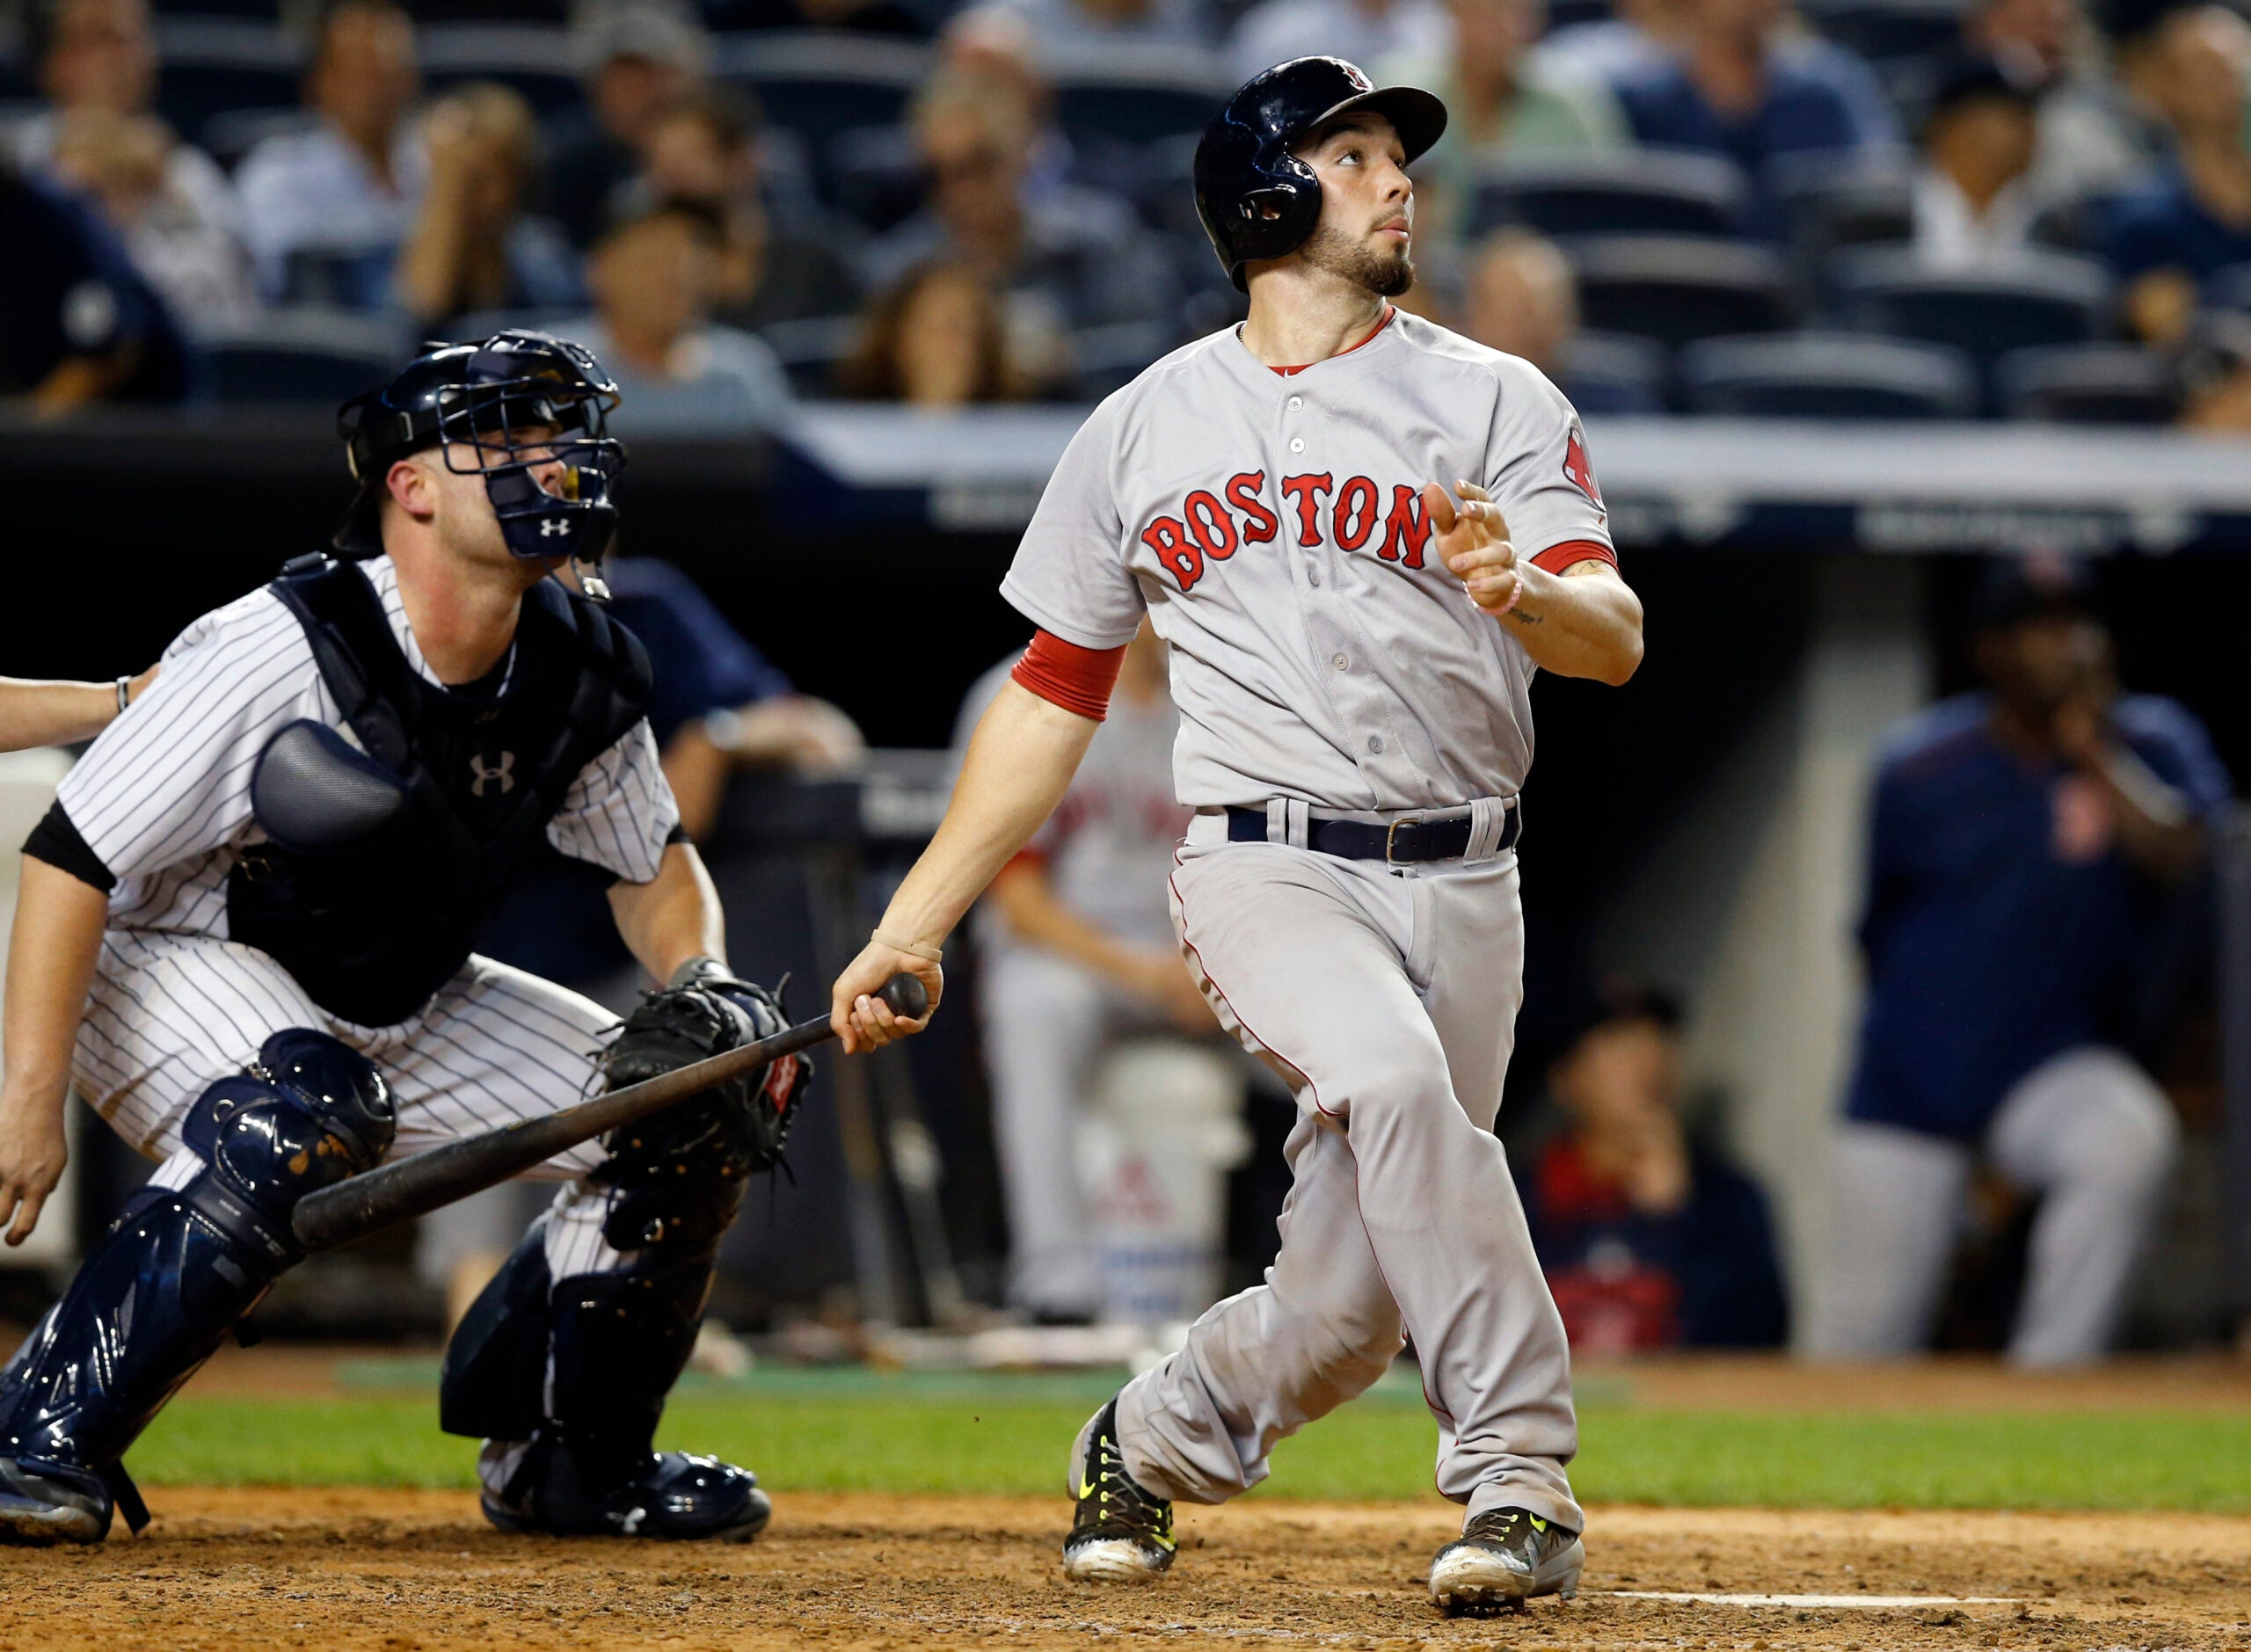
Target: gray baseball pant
{"points": [[1387, 1002], [2088, 1129]]}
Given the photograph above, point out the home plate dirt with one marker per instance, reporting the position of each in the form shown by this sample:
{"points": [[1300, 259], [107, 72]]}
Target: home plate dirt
{"points": [[397, 1571]]}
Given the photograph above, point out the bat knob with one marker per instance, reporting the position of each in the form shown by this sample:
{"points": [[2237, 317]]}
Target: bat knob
{"points": [[908, 996]]}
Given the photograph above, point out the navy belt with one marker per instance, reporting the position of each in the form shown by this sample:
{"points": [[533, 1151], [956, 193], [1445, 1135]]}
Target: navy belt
{"points": [[1399, 842]]}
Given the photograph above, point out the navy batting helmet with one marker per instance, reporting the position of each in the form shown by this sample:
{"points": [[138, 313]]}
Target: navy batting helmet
{"points": [[1256, 199], [514, 404]]}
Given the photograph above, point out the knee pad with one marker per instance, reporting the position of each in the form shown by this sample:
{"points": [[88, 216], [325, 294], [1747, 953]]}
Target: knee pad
{"points": [[308, 1112]]}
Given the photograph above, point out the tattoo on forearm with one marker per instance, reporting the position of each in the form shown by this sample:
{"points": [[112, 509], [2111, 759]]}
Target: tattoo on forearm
{"points": [[1521, 618]]}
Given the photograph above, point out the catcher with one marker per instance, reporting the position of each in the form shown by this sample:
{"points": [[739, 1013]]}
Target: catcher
{"points": [[251, 909]]}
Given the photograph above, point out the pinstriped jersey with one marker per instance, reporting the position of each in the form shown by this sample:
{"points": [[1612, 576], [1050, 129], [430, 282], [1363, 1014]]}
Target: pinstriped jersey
{"points": [[163, 797], [1272, 526]]}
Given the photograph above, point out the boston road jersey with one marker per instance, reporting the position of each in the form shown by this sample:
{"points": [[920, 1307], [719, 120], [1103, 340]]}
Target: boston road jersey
{"points": [[163, 798], [1272, 525]]}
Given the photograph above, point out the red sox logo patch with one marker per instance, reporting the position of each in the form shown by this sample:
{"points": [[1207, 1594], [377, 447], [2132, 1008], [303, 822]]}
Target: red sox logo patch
{"points": [[1580, 472]]}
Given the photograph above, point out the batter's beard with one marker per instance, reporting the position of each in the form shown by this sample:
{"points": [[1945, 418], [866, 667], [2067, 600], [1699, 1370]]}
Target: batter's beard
{"points": [[1386, 275]]}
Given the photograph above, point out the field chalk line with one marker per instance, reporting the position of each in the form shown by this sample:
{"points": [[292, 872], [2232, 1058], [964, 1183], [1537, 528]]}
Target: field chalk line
{"points": [[1844, 1601]]}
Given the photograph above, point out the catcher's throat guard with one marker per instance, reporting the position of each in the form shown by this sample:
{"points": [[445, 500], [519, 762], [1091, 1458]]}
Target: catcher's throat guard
{"points": [[527, 412]]}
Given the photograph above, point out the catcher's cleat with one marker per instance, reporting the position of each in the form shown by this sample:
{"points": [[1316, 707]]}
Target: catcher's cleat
{"points": [[674, 1494], [1503, 1559], [45, 1504], [1120, 1534]]}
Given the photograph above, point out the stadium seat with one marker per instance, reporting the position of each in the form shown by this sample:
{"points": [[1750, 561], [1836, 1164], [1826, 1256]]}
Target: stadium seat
{"points": [[810, 349], [1831, 202], [479, 324], [874, 178], [1827, 376], [2229, 287], [302, 356], [1641, 192], [822, 85], [1608, 373], [1675, 288], [1880, 29], [2028, 299], [534, 59], [2087, 384], [1135, 94], [211, 66]]}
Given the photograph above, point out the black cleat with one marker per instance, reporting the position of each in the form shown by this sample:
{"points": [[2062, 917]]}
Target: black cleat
{"points": [[1120, 1533], [45, 1504], [1503, 1559], [674, 1494]]}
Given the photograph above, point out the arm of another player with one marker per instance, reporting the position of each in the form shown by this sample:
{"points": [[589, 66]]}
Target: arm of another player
{"points": [[1019, 763], [33, 713], [1026, 898], [674, 916], [1584, 622], [51, 955]]}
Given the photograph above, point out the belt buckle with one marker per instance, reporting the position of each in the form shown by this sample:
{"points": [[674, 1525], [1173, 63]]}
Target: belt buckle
{"points": [[1391, 831]]}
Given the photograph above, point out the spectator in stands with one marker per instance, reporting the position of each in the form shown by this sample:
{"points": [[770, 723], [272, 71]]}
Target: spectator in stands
{"points": [[1501, 104], [1362, 32], [1639, 37], [639, 58], [995, 42], [855, 17], [935, 339], [97, 67], [2213, 370], [326, 210], [1739, 89], [2193, 216], [1971, 203], [1068, 257], [122, 163], [705, 151], [1082, 28], [78, 324], [652, 279], [472, 247], [2028, 847], [1650, 1238], [1523, 298], [1077, 947]]}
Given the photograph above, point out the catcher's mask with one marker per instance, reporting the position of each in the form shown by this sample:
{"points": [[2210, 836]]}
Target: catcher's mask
{"points": [[527, 412]]}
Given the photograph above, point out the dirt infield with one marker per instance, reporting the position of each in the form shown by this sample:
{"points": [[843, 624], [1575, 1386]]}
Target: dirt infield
{"points": [[397, 1571]]}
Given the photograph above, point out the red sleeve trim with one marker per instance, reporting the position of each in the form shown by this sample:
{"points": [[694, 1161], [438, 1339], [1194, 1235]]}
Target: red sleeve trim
{"points": [[1062, 674], [1556, 559]]}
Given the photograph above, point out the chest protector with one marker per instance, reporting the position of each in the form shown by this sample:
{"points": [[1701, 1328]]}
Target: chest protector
{"points": [[383, 865]]}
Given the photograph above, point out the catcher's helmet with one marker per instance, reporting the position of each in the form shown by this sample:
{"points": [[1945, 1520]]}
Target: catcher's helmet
{"points": [[1244, 168], [480, 401]]}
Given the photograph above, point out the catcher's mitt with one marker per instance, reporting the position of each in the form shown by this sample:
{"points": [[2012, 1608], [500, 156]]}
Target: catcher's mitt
{"points": [[684, 1168]]}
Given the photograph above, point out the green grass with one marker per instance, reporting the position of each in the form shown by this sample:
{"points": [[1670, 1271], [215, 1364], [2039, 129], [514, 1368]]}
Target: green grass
{"points": [[856, 1430]]}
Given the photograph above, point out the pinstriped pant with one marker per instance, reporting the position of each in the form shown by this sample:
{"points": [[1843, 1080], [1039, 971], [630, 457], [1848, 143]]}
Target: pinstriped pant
{"points": [[171, 1013]]}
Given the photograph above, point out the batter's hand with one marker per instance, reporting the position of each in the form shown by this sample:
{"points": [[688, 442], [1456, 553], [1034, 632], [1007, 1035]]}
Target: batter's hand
{"points": [[860, 1018], [1473, 538], [33, 1153]]}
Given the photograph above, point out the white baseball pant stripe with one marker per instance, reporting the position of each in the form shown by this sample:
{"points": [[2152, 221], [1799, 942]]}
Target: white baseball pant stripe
{"points": [[171, 1014], [2087, 1129], [1387, 1002]]}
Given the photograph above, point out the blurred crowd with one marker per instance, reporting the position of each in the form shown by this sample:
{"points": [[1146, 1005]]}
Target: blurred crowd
{"points": [[1890, 208]]}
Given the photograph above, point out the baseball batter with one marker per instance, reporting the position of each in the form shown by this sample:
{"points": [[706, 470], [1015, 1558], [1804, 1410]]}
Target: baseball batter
{"points": [[244, 935], [1352, 645]]}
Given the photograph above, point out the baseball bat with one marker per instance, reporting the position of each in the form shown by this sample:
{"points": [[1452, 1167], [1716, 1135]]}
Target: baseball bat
{"points": [[411, 1187]]}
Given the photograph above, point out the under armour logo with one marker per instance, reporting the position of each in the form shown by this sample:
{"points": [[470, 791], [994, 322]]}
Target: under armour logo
{"points": [[550, 525], [501, 771]]}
